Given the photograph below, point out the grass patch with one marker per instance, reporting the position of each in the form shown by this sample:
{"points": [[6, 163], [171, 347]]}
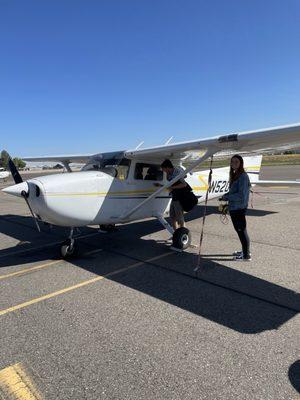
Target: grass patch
{"points": [[281, 159]]}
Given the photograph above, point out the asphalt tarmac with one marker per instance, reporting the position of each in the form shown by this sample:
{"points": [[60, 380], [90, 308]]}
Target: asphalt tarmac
{"points": [[130, 319]]}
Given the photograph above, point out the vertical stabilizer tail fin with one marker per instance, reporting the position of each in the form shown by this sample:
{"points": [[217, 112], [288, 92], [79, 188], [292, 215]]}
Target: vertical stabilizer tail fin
{"points": [[252, 166]]}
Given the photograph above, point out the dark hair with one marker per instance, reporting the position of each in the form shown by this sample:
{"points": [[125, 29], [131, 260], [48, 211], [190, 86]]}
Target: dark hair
{"points": [[167, 164], [235, 175]]}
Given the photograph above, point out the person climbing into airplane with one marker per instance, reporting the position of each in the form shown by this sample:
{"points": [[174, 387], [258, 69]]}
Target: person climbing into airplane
{"points": [[238, 197], [176, 191], [183, 198]]}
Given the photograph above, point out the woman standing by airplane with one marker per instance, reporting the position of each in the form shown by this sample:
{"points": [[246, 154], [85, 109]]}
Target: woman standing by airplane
{"points": [[238, 197]]}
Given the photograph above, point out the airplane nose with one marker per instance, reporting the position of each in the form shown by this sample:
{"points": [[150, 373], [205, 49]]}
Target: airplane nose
{"points": [[16, 190]]}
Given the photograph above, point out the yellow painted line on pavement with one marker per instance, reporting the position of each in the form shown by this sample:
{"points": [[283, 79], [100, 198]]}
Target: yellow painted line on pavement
{"points": [[15, 384], [37, 267], [79, 285], [23, 271], [13, 253]]}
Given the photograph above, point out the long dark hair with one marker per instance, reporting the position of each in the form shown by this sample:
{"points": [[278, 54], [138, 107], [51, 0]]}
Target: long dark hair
{"points": [[233, 176]]}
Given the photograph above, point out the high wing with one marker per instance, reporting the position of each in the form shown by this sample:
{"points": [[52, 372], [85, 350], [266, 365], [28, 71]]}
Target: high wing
{"points": [[62, 158], [81, 159], [260, 141], [78, 158]]}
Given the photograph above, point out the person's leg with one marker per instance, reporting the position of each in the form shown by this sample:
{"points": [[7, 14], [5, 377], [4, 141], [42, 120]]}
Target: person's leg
{"points": [[239, 222], [245, 241], [173, 216], [179, 214], [174, 224], [243, 234]]}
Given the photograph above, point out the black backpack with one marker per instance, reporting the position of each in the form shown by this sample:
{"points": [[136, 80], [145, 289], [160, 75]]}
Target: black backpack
{"points": [[186, 198]]}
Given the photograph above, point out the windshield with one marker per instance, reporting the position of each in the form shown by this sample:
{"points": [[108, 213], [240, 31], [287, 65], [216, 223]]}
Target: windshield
{"points": [[117, 168]]}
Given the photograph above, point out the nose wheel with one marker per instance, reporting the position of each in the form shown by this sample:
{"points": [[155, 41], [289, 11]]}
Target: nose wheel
{"points": [[69, 248]]}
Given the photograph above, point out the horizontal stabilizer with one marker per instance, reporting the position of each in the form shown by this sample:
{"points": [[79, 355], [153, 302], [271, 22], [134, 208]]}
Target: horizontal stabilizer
{"points": [[277, 183]]}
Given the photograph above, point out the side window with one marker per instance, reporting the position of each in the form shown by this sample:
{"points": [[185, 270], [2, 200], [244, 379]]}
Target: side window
{"points": [[148, 172]]}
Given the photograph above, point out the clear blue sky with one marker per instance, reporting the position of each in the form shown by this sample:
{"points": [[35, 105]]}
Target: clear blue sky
{"points": [[85, 76]]}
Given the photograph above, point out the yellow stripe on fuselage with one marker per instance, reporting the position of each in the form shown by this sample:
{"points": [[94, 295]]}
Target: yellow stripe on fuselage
{"points": [[124, 193], [127, 192], [204, 187], [255, 168]]}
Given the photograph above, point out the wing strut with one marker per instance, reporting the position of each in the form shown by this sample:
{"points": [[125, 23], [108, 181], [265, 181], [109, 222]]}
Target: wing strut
{"points": [[200, 160], [204, 215], [66, 164]]}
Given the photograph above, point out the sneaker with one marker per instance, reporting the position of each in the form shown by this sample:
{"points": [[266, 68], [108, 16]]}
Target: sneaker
{"points": [[241, 257], [239, 253]]}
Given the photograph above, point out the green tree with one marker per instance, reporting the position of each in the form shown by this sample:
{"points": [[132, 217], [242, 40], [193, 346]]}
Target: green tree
{"points": [[19, 163], [4, 158]]}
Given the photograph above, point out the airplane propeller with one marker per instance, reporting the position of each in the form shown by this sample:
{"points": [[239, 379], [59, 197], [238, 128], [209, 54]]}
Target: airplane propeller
{"points": [[15, 173], [25, 194]]}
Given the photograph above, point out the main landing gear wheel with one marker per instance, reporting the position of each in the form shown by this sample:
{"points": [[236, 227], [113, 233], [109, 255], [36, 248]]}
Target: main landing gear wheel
{"points": [[68, 249], [182, 238]]}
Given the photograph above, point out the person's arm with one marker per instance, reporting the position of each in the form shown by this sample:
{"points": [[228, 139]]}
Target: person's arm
{"points": [[179, 185], [157, 184], [243, 188]]}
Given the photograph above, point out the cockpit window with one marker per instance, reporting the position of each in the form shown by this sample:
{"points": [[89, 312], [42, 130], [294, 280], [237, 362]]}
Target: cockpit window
{"points": [[148, 172], [117, 168]]}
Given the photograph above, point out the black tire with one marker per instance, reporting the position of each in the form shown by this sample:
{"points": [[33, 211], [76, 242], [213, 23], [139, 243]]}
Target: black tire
{"points": [[182, 238], [68, 250]]}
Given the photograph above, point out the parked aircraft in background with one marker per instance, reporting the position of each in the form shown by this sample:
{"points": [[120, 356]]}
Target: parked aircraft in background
{"points": [[3, 174]]}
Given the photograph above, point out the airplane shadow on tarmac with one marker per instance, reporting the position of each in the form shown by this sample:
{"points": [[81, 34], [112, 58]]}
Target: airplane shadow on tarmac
{"points": [[227, 296], [294, 375], [23, 229]]}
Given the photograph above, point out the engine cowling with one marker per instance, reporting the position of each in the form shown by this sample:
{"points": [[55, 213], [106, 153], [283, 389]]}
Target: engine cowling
{"points": [[73, 199]]}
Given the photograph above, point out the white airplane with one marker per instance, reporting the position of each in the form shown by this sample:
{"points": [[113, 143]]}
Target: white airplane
{"points": [[115, 188], [3, 174]]}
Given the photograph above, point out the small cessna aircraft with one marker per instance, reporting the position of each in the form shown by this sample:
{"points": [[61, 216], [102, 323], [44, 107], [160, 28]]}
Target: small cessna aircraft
{"points": [[3, 174], [115, 188]]}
